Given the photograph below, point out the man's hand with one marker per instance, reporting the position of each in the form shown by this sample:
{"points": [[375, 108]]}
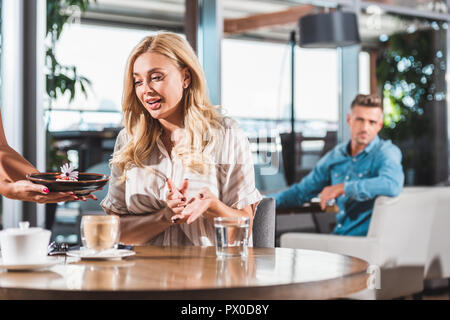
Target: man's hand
{"points": [[329, 193]]}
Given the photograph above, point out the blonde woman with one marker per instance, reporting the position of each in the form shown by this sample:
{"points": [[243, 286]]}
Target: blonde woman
{"points": [[178, 163]]}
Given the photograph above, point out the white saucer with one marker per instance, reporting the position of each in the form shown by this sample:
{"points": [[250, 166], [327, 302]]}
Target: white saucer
{"points": [[50, 261], [111, 254]]}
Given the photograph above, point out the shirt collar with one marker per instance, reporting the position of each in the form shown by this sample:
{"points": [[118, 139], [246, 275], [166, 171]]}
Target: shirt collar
{"points": [[346, 147], [372, 144], [162, 148]]}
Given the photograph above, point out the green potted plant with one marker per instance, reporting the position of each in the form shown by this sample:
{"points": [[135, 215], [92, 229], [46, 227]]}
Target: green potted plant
{"points": [[406, 70]]}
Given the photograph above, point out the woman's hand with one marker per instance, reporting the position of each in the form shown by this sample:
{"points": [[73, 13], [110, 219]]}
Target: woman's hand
{"points": [[25, 190], [175, 198], [89, 196], [197, 206]]}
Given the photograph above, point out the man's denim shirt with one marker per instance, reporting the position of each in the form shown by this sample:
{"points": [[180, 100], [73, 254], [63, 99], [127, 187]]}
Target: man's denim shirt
{"points": [[375, 171]]}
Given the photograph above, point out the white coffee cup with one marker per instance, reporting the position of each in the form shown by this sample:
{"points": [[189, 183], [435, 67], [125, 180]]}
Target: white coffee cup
{"points": [[24, 245]]}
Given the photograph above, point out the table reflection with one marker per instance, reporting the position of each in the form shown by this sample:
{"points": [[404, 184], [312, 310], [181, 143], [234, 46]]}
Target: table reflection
{"points": [[185, 272], [106, 277], [232, 271], [34, 279]]}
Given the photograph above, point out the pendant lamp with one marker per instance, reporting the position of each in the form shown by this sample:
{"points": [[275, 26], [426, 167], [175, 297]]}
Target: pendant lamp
{"points": [[329, 30]]}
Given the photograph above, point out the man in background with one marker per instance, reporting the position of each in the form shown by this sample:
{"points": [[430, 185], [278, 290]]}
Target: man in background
{"points": [[353, 173]]}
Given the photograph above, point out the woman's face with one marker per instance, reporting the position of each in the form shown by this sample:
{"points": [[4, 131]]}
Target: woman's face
{"points": [[159, 86]]}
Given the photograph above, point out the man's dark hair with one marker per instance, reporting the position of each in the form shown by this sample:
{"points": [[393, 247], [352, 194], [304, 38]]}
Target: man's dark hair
{"points": [[367, 100]]}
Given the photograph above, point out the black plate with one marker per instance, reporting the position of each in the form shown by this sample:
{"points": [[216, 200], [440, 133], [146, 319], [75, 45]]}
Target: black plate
{"points": [[87, 182]]}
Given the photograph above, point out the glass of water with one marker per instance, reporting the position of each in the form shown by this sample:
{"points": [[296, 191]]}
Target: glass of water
{"points": [[232, 236]]}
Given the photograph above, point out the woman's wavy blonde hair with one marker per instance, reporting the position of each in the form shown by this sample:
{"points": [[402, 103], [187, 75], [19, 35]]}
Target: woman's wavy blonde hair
{"points": [[201, 118]]}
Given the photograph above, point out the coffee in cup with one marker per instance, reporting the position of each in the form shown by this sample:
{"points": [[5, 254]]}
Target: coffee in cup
{"points": [[100, 232]]}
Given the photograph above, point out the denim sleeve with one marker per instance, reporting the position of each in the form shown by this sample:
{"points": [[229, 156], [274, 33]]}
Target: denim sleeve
{"points": [[388, 182], [308, 188]]}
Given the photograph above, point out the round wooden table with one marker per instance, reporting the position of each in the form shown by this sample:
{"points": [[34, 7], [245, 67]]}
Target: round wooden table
{"points": [[194, 273]]}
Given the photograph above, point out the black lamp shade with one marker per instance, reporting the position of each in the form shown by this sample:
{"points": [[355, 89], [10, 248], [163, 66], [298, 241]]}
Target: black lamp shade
{"points": [[329, 30]]}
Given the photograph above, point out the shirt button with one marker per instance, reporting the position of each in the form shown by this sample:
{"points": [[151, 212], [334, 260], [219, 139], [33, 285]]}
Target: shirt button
{"points": [[346, 178], [360, 175], [354, 159], [341, 212], [339, 225]]}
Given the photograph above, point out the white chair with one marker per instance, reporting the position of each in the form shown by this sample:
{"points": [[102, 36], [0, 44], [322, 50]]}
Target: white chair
{"points": [[437, 267], [397, 242]]}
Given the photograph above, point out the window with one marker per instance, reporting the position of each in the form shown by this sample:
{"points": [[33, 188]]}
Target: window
{"points": [[256, 90], [256, 81], [364, 72], [100, 54]]}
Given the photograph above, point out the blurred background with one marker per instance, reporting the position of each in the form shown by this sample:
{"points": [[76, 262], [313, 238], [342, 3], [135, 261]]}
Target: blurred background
{"points": [[63, 61]]}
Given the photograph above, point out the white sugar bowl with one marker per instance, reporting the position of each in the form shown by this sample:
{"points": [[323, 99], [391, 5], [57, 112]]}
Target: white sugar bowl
{"points": [[24, 245]]}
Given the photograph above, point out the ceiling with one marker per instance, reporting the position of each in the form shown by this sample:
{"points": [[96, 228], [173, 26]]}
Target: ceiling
{"points": [[169, 15]]}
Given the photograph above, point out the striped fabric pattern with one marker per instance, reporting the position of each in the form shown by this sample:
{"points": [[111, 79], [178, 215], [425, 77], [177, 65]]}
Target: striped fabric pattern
{"points": [[231, 179]]}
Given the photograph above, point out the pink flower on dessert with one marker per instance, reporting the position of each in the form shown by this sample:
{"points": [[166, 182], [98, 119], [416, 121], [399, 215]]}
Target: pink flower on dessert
{"points": [[68, 173]]}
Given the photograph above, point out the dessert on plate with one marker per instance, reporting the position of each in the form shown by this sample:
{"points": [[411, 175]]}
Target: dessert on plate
{"points": [[68, 173]]}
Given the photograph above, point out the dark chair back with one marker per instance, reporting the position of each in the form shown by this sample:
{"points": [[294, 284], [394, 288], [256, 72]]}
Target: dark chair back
{"points": [[91, 205], [264, 224], [296, 168]]}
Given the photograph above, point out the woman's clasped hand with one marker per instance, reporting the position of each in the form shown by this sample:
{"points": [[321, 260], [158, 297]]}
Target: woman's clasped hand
{"points": [[188, 210]]}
